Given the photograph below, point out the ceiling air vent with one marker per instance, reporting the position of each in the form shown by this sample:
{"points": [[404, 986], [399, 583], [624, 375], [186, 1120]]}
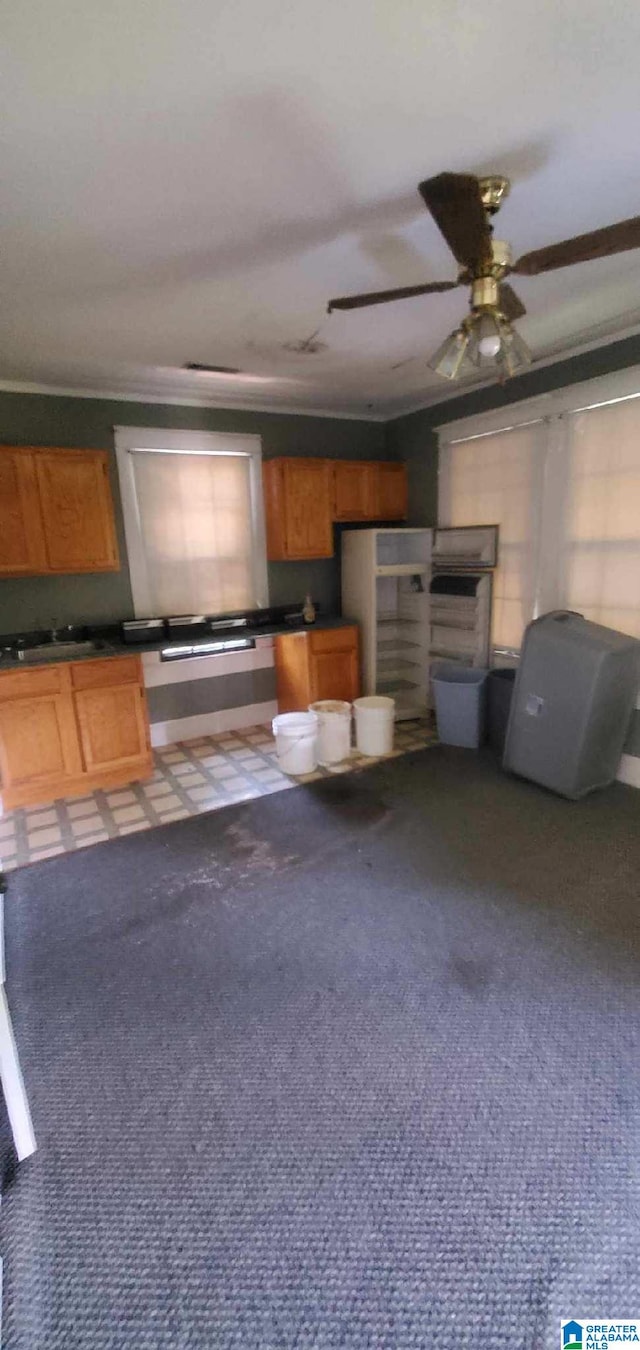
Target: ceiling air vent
{"points": [[211, 370]]}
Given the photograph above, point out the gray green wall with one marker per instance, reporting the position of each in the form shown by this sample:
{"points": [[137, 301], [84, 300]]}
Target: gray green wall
{"points": [[43, 419], [413, 437]]}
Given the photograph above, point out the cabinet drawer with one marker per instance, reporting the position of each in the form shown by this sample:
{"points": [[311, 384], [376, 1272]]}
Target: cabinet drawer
{"points": [[109, 670], [333, 639], [33, 683]]}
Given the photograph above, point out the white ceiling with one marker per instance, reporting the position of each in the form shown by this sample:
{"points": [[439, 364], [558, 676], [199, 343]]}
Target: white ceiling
{"points": [[188, 180]]}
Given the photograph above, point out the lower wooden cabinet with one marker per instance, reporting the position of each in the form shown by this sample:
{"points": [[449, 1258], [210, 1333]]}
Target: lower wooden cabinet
{"points": [[113, 728], [316, 664], [69, 728], [38, 747]]}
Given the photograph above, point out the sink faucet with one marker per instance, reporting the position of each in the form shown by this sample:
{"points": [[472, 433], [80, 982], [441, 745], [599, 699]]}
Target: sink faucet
{"points": [[58, 634]]}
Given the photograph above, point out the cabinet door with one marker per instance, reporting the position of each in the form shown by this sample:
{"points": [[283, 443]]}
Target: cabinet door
{"points": [[334, 665], [291, 653], [354, 490], [308, 531], [38, 745], [392, 492], [113, 726], [77, 511], [274, 509], [22, 551]]}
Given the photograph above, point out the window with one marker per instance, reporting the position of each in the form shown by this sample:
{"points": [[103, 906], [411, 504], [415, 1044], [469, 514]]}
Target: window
{"points": [[193, 521], [599, 546], [564, 488]]}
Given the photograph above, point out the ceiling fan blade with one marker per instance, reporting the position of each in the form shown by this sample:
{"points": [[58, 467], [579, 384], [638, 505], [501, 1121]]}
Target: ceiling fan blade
{"points": [[510, 304], [456, 206], [597, 244], [381, 297]]}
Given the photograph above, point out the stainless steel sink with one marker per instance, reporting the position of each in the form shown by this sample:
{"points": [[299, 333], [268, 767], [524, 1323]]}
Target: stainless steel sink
{"points": [[62, 651]]}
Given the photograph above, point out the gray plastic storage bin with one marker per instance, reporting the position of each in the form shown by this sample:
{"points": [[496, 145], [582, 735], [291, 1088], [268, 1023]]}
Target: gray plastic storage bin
{"points": [[459, 698], [500, 684], [575, 690]]}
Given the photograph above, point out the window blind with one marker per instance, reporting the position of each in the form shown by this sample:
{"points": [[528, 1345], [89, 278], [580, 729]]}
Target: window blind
{"points": [[497, 480], [195, 522], [565, 492], [599, 543]]}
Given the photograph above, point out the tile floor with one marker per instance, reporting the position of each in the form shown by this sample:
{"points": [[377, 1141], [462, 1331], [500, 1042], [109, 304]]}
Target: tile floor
{"points": [[190, 777]]}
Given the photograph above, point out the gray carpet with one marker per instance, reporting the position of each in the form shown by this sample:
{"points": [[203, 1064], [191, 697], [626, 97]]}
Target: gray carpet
{"points": [[354, 1065]]}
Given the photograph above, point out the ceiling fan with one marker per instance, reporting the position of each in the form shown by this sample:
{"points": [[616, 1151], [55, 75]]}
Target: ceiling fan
{"points": [[462, 207]]}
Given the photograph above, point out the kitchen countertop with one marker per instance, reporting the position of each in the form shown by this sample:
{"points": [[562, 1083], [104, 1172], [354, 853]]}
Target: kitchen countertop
{"points": [[113, 645]]}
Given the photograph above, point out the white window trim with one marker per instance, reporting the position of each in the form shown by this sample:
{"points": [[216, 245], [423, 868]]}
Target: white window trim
{"points": [[128, 439], [571, 398]]}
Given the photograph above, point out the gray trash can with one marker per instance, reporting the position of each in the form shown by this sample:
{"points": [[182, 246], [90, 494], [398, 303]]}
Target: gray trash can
{"points": [[500, 684], [575, 690], [459, 698]]}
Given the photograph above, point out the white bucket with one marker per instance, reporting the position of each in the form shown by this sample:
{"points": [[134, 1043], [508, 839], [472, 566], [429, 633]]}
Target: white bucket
{"points": [[334, 730], [374, 724], [296, 741]]}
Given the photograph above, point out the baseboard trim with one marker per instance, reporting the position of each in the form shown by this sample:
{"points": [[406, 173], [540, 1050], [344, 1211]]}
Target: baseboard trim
{"points": [[136, 771], [629, 771], [212, 723]]}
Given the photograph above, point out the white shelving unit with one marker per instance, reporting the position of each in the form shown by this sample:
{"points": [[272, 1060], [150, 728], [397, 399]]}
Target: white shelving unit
{"points": [[385, 590]]}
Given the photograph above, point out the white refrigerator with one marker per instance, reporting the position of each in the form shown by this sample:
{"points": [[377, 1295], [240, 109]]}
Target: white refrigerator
{"points": [[385, 589], [418, 595]]}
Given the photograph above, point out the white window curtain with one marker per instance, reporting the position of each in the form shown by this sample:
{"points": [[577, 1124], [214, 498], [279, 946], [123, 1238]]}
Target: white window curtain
{"points": [[193, 520], [497, 480], [565, 492]]}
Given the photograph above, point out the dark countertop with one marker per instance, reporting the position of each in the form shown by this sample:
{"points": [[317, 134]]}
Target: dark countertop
{"points": [[109, 642]]}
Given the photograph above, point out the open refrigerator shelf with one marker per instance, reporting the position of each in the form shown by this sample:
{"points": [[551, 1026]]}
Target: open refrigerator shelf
{"points": [[395, 672], [397, 645], [455, 657], [469, 561], [458, 625], [402, 569]]}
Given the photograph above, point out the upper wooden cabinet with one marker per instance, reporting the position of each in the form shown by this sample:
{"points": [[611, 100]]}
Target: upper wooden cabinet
{"points": [[22, 551], [297, 495], [56, 512], [392, 492], [369, 490], [355, 490], [304, 496]]}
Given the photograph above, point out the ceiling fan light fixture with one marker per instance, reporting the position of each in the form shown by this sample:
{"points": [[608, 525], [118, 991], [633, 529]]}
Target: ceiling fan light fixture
{"points": [[448, 359], [514, 353], [486, 338]]}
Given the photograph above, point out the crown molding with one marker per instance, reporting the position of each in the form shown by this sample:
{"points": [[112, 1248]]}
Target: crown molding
{"points": [[552, 359], [389, 413], [174, 400]]}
